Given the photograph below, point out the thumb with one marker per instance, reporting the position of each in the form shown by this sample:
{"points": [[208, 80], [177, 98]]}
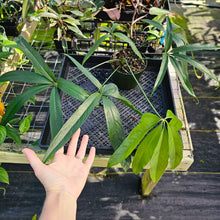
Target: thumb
{"points": [[33, 159]]}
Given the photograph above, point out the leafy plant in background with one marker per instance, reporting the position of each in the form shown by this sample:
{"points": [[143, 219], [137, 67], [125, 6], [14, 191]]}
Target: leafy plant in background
{"points": [[3, 178], [177, 56]]}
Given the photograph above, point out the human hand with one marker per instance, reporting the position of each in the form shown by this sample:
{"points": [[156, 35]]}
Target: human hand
{"points": [[67, 173]]}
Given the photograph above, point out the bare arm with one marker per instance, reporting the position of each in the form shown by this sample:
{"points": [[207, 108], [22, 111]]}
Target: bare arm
{"points": [[64, 179]]}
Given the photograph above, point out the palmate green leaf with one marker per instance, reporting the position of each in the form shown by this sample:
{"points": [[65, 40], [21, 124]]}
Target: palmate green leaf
{"points": [[159, 160], [130, 42], [13, 134], [15, 104], [145, 149], [36, 59], [197, 65], [148, 121], [72, 124], [184, 79], [115, 127], [24, 124], [85, 72], [24, 76], [4, 176], [162, 71], [105, 28], [175, 122], [154, 23], [72, 89], [179, 39], [114, 26], [195, 47], [168, 35], [56, 114], [94, 47], [2, 134]]}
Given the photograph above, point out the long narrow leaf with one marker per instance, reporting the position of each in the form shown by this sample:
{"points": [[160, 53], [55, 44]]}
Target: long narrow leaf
{"points": [[2, 134], [159, 160], [86, 72], [184, 79], [115, 127], [162, 71], [15, 104], [56, 114], [25, 77], [168, 35], [112, 90], [154, 23], [130, 42], [36, 59], [148, 121], [72, 124], [72, 89], [195, 47], [94, 47], [146, 149], [197, 65]]}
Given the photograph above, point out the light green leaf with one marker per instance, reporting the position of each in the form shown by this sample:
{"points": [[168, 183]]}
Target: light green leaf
{"points": [[148, 121], [15, 104], [56, 114], [24, 76], [146, 149], [159, 160], [158, 11], [72, 124], [94, 47], [24, 124], [2, 134], [3, 176], [77, 31], [175, 122], [72, 89], [85, 72], [13, 134], [105, 28]]}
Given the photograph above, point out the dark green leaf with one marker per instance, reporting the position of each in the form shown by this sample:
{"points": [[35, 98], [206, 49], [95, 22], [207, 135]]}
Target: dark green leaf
{"points": [[154, 23], [14, 121], [56, 114], [195, 47], [72, 124], [72, 89], [3, 176], [94, 47], [13, 134], [24, 76], [159, 160], [146, 149], [4, 54], [168, 35], [15, 104], [197, 65], [162, 71], [85, 72], [148, 121], [36, 59], [183, 77], [112, 90], [2, 134], [24, 124]]}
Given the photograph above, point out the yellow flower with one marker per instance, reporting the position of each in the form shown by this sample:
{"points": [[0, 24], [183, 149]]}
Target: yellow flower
{"points": [[2, 110]]}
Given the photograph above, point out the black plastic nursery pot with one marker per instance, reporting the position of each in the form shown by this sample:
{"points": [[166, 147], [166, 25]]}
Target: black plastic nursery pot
{"points": [[95, 125]]}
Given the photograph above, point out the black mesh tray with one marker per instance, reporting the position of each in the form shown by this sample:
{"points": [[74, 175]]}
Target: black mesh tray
{"points": [[95, 125]]}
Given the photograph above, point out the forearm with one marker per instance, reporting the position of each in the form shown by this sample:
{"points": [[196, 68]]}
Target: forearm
{"points": [[59, 205]]}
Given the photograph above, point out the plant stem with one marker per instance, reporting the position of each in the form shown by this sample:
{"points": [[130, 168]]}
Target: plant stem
{"points": [[143, 91]]}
